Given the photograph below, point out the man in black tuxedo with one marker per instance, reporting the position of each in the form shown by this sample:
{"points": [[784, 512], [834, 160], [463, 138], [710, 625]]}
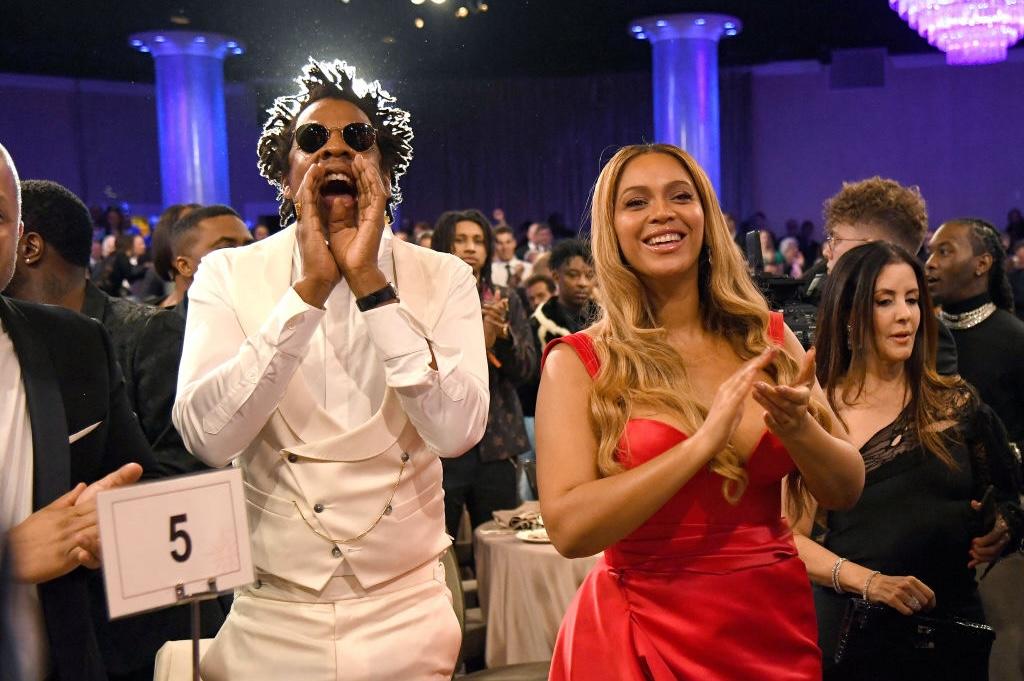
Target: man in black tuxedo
{"points": [[65, 420]]}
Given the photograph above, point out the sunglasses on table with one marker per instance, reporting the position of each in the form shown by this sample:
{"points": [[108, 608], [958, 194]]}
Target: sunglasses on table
{"points": [[311, 137]]}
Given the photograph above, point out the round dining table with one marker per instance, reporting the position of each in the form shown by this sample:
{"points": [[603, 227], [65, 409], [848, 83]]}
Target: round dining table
{"points": [[524, 590]]}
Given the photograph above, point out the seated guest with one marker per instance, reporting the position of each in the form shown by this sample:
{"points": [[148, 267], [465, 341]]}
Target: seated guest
{"points": [[538, 242], [121, 268], [425, 238], [66, 420], [930, 448], [507, 269], [198, 233], [260, 232], [483, 480], [572, 310], [878, 209], [793, 259], [50, 269], [774, 263], [539, 289], [163, 268]]}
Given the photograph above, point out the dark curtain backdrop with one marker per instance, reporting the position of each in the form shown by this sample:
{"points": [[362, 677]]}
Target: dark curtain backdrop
{"points": [[534, 146], [735, 92], [531, 146]]}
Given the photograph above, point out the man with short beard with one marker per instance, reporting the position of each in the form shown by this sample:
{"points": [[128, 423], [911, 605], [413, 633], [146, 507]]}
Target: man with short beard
{"points": [[335, 365]]}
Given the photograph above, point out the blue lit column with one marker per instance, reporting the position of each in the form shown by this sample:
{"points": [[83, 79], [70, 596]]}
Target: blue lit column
{"points": [[685, 68], [190, 113]]}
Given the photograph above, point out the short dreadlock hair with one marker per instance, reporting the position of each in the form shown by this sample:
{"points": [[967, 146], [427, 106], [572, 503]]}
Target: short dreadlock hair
{"points": [[984, 238], [335, 80]]}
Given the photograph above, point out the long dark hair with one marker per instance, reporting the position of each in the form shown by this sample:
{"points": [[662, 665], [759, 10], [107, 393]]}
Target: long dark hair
{"points": [[444, 239], [846, 334]]}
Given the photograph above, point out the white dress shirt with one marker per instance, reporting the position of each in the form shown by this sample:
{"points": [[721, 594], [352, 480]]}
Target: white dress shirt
{"points": [[23, 609], [500, 270], [229, 385]]}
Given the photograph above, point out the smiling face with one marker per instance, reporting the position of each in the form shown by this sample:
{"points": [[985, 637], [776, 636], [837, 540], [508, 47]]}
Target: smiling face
{"points": [[338, 195], [468, 244], [658, 217], [897, 312]]}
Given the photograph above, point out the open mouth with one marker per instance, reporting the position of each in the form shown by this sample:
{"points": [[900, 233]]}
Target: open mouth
{"points": [[338, 186]]}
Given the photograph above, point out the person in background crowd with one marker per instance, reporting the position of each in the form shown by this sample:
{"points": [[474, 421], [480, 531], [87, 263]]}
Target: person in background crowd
{"points": [[498, 216], [878, 209], [163, 267], [507, 269], [483, 480], [1016, 276], [121, 268], [774, 264], [966, 274], [1014, 225], [573, 309], [336, 366], [808, 245], [401, 236], [66, 419], [652, 447], [930, 449], [425, 239], [538, 241], [260, 232], [115, 222], [542, 265], [793, 259], [539, 289], [95, 255], [419, 228], [158, 288]]}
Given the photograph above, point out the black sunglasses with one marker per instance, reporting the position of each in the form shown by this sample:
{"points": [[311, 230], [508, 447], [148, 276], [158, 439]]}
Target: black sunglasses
{"points": [[312, 137]]}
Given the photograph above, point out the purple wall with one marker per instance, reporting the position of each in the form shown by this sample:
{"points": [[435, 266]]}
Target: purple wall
{"points": [[956, 132]]}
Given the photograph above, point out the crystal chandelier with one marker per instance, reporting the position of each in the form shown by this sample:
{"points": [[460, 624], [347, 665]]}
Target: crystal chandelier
{"points": [[968, 31]]}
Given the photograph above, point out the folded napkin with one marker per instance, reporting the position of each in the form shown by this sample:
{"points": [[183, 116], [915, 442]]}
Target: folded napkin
{"points": [[525, 517]]}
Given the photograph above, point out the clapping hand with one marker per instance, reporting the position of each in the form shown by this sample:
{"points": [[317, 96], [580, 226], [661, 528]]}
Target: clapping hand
{"points": [[726, 410], [59, 537], [786, 405], [495, 317]]}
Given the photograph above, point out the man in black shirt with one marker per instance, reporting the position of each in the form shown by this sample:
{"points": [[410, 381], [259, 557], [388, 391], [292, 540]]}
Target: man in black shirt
{"points": [[966, 275], [878, 209], [573, 309]]}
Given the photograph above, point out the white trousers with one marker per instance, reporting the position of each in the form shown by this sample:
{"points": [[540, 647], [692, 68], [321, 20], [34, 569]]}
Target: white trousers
{"points": [[404, 630]]}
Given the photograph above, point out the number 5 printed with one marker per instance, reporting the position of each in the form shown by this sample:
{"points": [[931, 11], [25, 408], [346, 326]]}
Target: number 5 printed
{"points": [[177, 534]]}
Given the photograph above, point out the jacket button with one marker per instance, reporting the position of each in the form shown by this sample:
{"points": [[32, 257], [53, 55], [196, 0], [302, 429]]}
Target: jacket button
{"points": [[319, 508], [405, 457], [292, 458], [387, 510], [336, 552]]}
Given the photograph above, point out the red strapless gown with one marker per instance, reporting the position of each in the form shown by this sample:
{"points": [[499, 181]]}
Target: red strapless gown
{"points": [[703, 590]]}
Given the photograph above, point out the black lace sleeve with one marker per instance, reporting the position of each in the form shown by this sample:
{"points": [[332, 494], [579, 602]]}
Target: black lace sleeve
{"points": [[996, 463]]}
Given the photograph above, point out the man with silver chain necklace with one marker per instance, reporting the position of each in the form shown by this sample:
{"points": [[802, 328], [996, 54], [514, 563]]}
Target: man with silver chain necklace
{"points": [[966, 274]]}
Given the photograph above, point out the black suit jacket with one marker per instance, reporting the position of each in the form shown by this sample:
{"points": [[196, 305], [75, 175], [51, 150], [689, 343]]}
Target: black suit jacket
{"points": [[72, 381]]}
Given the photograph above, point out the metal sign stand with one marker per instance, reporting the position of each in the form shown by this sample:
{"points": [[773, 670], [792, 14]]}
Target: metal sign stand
{"points": [[193, 600]]}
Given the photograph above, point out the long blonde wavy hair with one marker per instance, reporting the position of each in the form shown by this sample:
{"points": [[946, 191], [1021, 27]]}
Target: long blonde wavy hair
{"points": [[639, 369]]}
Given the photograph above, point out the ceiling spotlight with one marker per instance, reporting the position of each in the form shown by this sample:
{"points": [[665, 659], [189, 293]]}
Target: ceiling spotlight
{"points": [[483, 7], [418, 2], [388, 40], [462, 12], [180, 20], [438, 2], [418, 22]]}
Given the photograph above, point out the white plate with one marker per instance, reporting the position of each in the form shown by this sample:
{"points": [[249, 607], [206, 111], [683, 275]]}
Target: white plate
{"points": [[539, 536]]}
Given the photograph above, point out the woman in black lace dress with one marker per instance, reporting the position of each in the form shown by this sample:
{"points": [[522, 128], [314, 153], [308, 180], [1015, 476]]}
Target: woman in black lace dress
{"points": [[930, 448]]}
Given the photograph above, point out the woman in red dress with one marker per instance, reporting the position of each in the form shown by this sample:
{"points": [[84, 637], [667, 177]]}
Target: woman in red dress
{"points": [[664, 433]]}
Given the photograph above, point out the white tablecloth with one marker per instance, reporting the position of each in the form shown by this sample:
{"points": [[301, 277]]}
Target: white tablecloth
{"points": [[524, 591]]}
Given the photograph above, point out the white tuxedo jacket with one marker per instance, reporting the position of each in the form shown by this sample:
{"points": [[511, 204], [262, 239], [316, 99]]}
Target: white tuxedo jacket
{"points": [[316, 493]]}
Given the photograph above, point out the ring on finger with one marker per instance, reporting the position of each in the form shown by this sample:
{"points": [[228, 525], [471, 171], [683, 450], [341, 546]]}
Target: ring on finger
{"points": [[914, 603], [298, 210]]}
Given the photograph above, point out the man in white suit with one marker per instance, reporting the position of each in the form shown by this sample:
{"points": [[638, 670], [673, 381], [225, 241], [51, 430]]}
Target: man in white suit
{"points": [[334, 365]]}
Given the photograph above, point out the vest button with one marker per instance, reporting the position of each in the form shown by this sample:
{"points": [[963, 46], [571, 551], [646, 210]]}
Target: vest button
{"points": [[336, 552], [319, 508], [405, 457], [292, 458], [387, 510]]}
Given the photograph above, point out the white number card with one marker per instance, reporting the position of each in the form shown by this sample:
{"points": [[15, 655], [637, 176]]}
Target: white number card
{"points": [[166, 541]]}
